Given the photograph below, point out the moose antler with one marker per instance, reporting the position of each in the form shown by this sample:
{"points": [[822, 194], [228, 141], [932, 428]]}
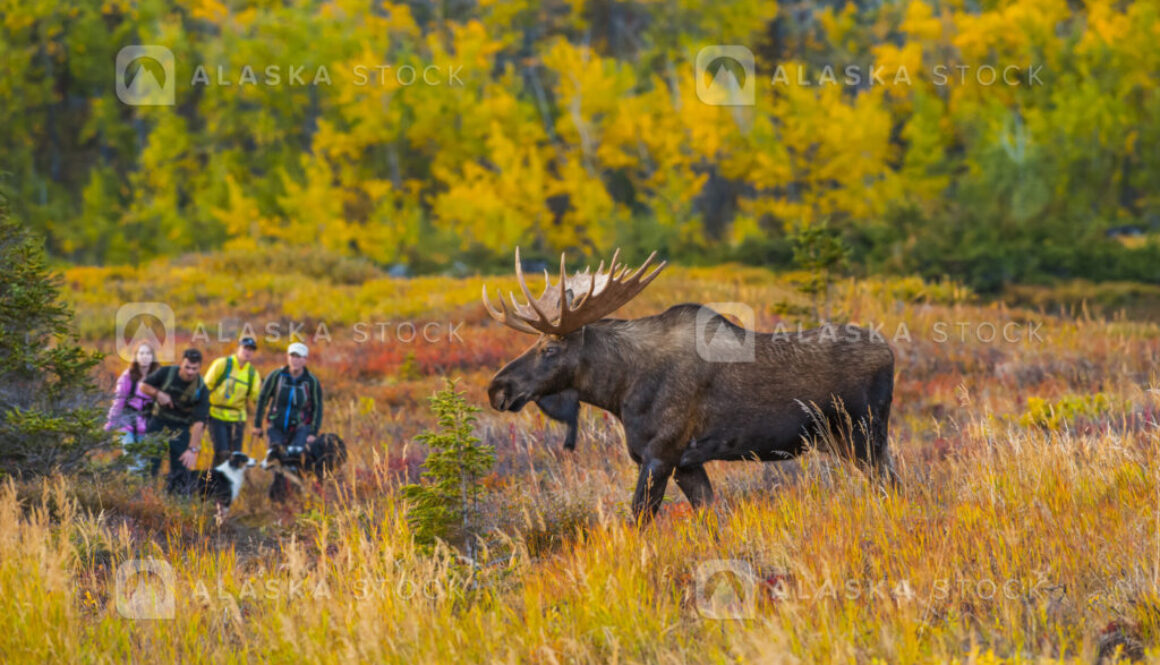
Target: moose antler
{"points": [[576, 301]]}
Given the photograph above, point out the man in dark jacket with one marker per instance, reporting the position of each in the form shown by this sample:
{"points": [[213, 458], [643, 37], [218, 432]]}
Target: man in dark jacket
{"points": [[294, 398], [181, 408]]}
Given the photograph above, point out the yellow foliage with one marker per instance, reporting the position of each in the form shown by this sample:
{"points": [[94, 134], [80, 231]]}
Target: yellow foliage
{"points": [[921, 22], [1042, 413], [242, 218], [212, 11]]}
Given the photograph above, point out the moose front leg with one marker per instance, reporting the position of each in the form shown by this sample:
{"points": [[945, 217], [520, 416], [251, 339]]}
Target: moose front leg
{"points": [[650, 489], [656, 430], [694, 482]]}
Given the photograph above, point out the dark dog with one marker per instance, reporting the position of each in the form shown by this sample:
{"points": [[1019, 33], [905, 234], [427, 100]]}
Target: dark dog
{"points": [[220, 484], [323, 455]]}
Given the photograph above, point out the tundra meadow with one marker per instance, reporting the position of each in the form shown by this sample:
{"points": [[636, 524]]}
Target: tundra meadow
{"points": [[972, 183], [1026, 529]]}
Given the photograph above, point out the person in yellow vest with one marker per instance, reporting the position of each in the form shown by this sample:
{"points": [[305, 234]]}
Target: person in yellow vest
{"points": [[233, 382]]}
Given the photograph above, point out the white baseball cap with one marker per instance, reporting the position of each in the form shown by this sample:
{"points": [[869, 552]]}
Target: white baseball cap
{"points": [[298, 348]]}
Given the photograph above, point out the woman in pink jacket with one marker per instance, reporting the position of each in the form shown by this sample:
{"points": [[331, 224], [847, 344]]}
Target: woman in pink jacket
{"points": [[130, 409]]}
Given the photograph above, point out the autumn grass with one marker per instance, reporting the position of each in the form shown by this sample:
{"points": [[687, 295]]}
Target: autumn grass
{"points": [[1026, 549], [1027, 529]]}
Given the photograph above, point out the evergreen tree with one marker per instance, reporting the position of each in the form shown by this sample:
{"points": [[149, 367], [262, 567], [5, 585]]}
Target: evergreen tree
{"points": [[447, 504], [50, 418], [819, 250]]}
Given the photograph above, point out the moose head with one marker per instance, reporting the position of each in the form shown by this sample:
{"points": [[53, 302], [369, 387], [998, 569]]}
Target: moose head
{"points": [[559, 316]]}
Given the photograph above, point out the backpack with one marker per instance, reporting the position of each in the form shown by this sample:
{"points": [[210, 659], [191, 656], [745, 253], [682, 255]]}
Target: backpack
{"points": [[132, 392], [145, 401], [185, 397], [289, 421], [226, 374]]}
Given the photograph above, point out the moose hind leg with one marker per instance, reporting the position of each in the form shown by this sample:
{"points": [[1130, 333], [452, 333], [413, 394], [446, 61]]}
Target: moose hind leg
{"points": [[882, 395], [694, 482], [871, 448], [884, 462]]}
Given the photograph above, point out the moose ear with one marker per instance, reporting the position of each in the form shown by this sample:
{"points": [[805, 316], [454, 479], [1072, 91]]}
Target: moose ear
{"points": [[568, 297]]}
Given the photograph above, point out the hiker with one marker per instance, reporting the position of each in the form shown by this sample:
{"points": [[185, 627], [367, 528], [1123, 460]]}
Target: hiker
{"points": [[232, 382], [294, 397], [130, 410], [181, 409]]}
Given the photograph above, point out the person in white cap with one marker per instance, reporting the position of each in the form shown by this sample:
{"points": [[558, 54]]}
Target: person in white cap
{"points": [[294, 398]]}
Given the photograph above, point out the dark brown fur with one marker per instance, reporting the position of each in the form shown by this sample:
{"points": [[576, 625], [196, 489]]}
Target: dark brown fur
{"points": [[680, 410], [563, 407]]}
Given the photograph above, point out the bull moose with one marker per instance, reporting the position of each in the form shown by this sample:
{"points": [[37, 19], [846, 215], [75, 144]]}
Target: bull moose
{"points": [[681, 406]]}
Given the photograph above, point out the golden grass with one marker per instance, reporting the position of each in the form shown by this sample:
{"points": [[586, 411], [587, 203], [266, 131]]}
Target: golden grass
{"points": [[1026, 548]]}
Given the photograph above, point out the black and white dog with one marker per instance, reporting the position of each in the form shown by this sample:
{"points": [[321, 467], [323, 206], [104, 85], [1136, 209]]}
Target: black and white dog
{"points": [[321, 456], [222, 483]]}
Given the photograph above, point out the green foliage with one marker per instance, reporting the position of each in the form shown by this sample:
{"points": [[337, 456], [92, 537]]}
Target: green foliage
{"points": [[49, 414], [136, 456], [447, 505], [988, 253], [409, 370]]}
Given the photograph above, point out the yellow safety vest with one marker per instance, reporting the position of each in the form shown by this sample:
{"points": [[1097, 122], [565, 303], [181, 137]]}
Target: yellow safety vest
{"points": [[231, 388]]}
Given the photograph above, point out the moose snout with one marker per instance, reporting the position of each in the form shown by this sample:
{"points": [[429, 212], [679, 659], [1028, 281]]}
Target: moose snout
{"points": [[497, 394], [504, 396]]}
